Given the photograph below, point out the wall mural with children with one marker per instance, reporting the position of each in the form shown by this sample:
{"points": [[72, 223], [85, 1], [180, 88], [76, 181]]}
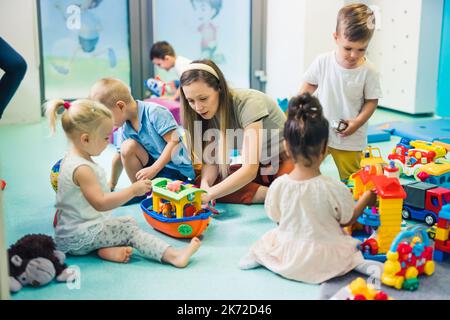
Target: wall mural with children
{"points": [[206, 11], [202, 29], [83, 40]]}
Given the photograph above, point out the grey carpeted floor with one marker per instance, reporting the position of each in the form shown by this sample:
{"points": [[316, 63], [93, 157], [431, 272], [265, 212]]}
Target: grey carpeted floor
{"points": [[435, 287]]}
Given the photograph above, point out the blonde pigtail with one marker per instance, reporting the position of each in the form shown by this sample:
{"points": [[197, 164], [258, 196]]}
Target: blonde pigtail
{"points": [[52, 108]]}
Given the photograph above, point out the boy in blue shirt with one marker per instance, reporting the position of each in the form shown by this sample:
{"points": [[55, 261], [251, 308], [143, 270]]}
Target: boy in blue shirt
{"points": [[151, 142]]}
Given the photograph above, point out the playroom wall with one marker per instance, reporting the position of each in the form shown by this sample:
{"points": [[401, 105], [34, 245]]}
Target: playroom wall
{"points": [[297, 31], [405, 50], [18, 26], [405, 47], [443, 98]]}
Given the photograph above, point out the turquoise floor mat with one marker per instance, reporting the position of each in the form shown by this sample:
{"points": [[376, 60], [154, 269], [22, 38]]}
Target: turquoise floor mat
{"points": [[27, 153]]}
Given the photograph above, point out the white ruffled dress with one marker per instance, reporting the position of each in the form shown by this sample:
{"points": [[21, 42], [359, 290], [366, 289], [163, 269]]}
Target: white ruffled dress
{"points": [[309, 244]]}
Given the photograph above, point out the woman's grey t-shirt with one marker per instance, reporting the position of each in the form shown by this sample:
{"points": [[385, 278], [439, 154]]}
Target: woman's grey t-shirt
{"points": [[251, 106]]}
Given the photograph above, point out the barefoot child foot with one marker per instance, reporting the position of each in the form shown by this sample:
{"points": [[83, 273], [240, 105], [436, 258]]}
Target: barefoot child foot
{"points": [[115, 254], [180, 257]]}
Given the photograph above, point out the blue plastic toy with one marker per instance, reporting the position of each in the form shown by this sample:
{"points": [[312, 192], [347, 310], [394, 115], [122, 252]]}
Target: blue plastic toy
{"points": [[429, 130], [283, 103], [374, 134]]}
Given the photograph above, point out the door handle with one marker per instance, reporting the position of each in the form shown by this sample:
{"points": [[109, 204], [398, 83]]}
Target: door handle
{"points": [[261, 75]]}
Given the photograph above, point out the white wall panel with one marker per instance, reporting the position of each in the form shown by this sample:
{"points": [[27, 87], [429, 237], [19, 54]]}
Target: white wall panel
{"points": [[18, 26]]}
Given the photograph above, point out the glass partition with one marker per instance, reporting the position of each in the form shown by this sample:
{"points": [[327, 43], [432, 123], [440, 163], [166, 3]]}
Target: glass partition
{"points": [[81, 42], [219, 30]]}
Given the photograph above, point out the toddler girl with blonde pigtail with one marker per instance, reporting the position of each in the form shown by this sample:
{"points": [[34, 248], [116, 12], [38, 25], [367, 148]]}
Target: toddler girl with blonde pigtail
{"points": [[84, 201]]}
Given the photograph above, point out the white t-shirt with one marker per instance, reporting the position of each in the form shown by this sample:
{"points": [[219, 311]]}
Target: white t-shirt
{"points": [[181, 64], [342, 92]]}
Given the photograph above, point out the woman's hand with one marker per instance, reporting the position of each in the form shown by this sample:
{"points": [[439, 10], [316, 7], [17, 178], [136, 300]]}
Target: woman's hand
{"points": [[206, 198]]}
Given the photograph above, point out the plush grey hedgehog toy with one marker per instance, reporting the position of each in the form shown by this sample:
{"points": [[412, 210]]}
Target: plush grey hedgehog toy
{"points": [[34, 260]]}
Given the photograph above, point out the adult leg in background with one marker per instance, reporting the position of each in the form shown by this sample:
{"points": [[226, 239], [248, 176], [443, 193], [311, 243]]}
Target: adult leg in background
{"points": [[14, 67]]}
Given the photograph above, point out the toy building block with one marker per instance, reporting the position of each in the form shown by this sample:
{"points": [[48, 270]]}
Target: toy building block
{"points": [[376, 133], [388, 220], [441, 240]]}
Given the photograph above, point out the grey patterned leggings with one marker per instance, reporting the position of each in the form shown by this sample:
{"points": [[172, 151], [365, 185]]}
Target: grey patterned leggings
{"points": [[124, 231]]}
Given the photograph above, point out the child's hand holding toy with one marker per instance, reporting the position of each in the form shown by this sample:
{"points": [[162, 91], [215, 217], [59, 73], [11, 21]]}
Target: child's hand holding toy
{"points": [[352, 126], [141, 187]]}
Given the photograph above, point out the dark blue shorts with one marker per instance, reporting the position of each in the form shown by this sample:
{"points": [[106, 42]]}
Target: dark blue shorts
{"points": [[167, 172]]}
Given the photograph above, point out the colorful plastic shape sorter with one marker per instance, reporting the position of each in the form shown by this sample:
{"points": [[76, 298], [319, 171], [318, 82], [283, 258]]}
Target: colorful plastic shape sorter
{"points": [[175, 209]]}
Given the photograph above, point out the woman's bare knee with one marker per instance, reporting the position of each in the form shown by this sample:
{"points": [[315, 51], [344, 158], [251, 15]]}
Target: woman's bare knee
{"points": [[260, 195]]}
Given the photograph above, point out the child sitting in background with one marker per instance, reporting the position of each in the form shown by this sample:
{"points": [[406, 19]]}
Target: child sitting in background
{"points": [[84, 200], [163, 56], [151, 144], [348, 86], [309, 243]]}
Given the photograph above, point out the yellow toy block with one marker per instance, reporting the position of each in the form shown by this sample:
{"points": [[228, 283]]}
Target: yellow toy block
{"points": [[441, 234], [411, 273], [429, 268], [360, 287], [391, 205]]}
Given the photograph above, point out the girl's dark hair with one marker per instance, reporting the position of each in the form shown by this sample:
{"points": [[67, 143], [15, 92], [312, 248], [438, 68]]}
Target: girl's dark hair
{"points": [[306, 129]]}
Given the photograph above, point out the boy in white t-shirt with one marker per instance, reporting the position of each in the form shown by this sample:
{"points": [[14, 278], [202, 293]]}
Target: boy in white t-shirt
{"points": [[348, 87], [163, 56]]}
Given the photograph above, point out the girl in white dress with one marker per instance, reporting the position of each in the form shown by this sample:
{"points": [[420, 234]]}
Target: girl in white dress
{"points": [[310, 209]]}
